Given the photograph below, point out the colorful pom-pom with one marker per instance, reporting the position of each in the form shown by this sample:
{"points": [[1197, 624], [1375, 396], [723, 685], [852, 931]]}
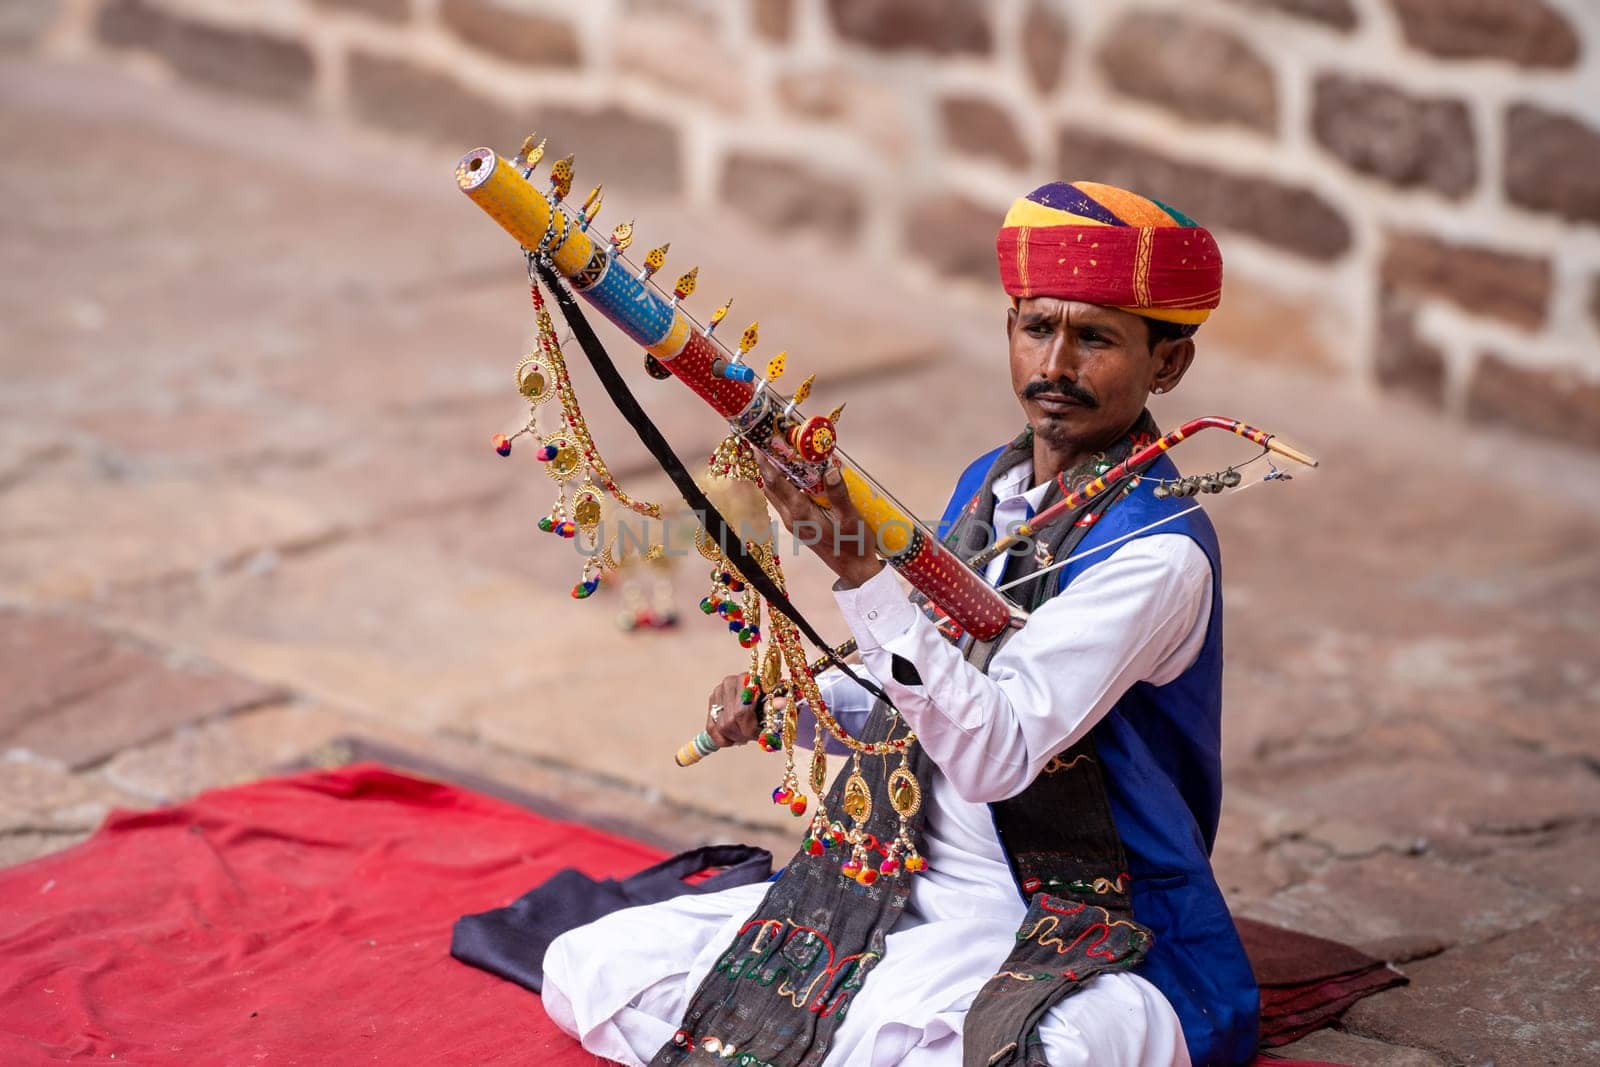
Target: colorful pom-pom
{"points": [[781, 795], [866, 876], [547, 524], [547, 453], [813, 847], [708, 605], [889, 866], [502, 444], [797, 804]]}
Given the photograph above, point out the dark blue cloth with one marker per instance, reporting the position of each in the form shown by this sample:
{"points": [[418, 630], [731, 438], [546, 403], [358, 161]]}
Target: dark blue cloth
{"points": [[1160, 747]]}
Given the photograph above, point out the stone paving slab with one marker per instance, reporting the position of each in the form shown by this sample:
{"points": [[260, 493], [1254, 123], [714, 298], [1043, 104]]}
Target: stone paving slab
{"points": [[1525, 997], [77, 695]]}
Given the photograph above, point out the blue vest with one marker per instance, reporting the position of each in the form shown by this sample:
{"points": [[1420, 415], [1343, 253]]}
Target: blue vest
{"points": [[1161, 750]]}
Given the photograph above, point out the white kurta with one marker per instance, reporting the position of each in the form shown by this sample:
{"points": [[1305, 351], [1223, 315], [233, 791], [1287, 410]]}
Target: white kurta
{"points": [[1138, 613]]}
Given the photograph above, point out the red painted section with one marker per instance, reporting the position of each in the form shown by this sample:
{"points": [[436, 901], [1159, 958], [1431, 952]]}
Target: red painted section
{"points": [[693, 367]]}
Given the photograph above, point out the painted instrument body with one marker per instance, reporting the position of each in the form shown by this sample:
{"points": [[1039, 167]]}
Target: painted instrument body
{"points": [[596, 271]]}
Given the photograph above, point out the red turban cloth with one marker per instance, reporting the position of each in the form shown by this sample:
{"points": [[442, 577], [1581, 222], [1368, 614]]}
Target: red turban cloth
{"points": [[1103, 245]]}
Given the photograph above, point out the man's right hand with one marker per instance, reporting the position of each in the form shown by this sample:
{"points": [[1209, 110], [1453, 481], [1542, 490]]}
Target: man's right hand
{"points": [[736, 723]]}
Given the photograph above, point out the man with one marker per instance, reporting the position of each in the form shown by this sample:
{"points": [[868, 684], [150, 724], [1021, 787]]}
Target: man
{"points": [[1085, 742]]}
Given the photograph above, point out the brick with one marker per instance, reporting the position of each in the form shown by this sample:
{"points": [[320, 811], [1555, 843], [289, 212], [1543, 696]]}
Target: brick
{"points": [[398, 95], [511, 33], [1191, 68], [1552, 163], [840, 94], [1409, 141], [1528, 33], [773, 19], [618, 148], [241, 61], [1290, 217], [1045, 38], [388, 10], [1337, 14], [678, 55], [24, 22], [942, 27], [615, 146], [981, 127], [955, 236], [787, 195], [1551, 401], [1477, 279], [1402, 358], [79, 695]]}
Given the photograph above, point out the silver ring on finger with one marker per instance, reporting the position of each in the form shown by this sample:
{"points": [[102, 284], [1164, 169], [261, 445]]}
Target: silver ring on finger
{"points": [[716, 711]]}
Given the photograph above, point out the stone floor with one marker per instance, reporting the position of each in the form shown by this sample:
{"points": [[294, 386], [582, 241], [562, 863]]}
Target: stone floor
{"points": [[250, 366]]}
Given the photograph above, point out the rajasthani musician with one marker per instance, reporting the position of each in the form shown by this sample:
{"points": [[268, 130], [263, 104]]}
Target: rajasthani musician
{"points": [[1068, 913]]}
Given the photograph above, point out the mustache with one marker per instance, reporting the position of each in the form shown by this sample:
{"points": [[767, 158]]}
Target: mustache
{"points": [[1061, 388]]}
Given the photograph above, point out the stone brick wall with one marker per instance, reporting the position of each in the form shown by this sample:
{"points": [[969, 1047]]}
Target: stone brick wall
{"points": [[1417, 182]]}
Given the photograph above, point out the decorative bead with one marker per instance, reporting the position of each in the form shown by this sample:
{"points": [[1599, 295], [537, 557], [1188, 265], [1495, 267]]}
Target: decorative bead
{"points": [[682, 1038], [502, 444], [797, 805], [1031, 885]]}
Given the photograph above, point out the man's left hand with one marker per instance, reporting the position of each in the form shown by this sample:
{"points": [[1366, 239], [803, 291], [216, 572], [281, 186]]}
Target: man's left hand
{"points": [[836, 533]]}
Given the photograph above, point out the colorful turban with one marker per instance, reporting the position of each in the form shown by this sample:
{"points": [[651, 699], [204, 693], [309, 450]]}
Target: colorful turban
{"points": [[1104, 245]]}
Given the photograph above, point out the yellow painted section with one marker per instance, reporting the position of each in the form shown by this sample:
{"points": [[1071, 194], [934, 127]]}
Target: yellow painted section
{"points": [[525, 214], [891, 526], [677, 336]]}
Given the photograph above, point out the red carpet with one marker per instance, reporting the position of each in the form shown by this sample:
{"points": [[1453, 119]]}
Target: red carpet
{"points": [[301, 920]]}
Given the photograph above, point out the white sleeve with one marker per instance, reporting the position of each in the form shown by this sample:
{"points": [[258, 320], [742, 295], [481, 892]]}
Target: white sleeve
{"points": [[1140, 614], [847, 702]]}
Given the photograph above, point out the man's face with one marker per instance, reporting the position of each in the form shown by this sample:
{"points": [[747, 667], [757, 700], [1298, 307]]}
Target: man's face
{"points": [[1082, 372]]}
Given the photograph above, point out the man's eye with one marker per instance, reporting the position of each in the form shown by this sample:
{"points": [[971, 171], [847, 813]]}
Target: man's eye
{"points": [[1040, 329], [1090, 337]]}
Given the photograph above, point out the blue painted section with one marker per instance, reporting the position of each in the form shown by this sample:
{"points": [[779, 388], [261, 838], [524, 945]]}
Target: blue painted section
{"points": [[625, 300]]}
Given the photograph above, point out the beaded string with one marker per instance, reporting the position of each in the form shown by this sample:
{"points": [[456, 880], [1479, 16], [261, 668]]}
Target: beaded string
{"points": [[572, 414]]}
